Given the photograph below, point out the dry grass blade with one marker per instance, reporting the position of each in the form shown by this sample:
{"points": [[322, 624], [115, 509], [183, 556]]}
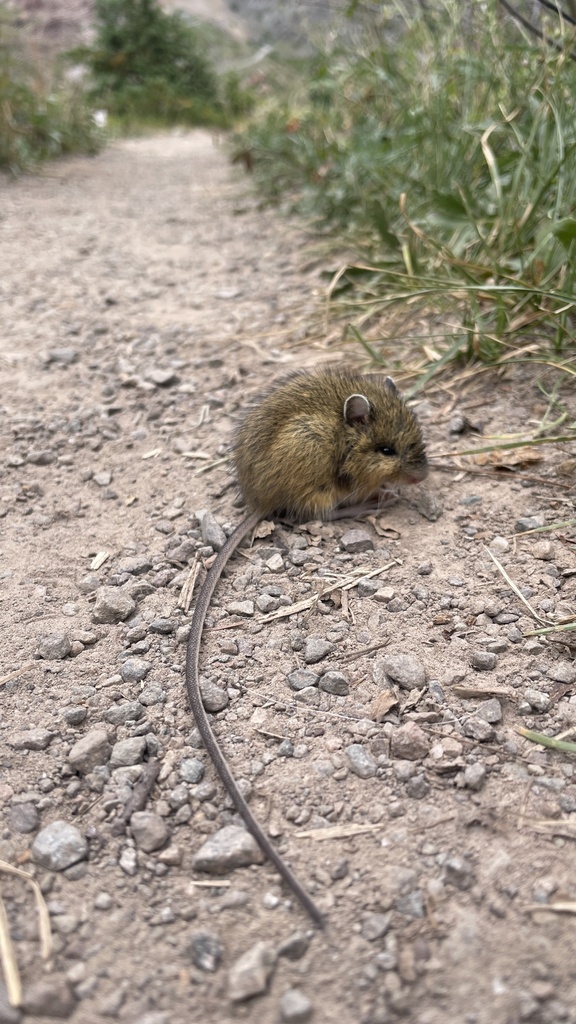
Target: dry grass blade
{"points": [[545, 529], [548, 741], [339, 831], [470, 692], [187, 591], [8, 958], [511, 584], [554, 908], [344, 583], [505, 445], [99, 560], [16, 673]]}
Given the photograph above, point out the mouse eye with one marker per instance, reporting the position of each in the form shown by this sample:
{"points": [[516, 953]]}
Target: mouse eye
{"points": [[387, 449]]}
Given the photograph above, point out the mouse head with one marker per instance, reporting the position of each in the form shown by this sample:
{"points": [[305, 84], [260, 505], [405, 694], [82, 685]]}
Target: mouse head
{"points": [[385, 442]]}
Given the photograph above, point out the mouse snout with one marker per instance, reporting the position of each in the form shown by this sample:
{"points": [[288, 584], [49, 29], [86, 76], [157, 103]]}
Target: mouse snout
{"points": [[416, 474]]}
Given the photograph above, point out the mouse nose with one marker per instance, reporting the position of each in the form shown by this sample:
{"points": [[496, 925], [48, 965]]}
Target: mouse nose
{"points": [[417, 474]]}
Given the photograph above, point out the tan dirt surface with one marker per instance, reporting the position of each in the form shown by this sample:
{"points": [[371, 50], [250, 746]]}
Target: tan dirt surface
{"points": [[145, 302]]}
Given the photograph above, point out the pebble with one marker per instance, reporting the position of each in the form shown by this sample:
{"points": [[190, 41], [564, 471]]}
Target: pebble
{"points": [[360, 761], [409, 742], [477, 728], [128, 861], [336, 683], [316, 649], [356, 541], [250, 974], [562, 672], [528, 523], [544, 550], [212, 532], [230, 848], [149, 830], [301, 678], [128, 752], [91, 750], [152, 694], [275, 563], [58, 846], [483, 661], [474, 776], [384, 595], [134, 670], [23, 818], [295, 946], [245, 608], [75, 715], [54, 646], [491, 710], [191, 770], [112, 605], [206, 951], [136, 565], [31, 739], [538, 700], [50, 997], [130, 711], [404, 669], [161, 378], [295, 1007], [459, 872], [375, 926], [63, 356], [214, 698]]}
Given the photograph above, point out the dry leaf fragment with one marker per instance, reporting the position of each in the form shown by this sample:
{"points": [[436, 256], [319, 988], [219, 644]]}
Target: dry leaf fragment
{"points": [[382, 704], [264, 529]]}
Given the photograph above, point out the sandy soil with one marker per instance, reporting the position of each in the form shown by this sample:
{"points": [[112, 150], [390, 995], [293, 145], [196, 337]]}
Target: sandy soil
{"points": [[146, 300]]}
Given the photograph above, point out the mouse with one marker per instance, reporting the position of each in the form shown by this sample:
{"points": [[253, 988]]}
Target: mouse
{"points": [[321, 444]]}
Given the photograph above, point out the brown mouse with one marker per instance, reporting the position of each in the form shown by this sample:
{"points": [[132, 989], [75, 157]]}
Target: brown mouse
{"points": [[320, 445]]}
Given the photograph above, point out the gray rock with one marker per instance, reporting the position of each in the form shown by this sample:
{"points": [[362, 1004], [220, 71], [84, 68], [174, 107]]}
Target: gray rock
{"points": [[245, 608], [214, 698], [91, 750], [360, 761], [409, 742], [230, 848], [23, 818], [491, 710], [50, 997], [212, 532], [31, 739], [206, 951], [134, 670], [128, 752], [136, 565], [128, 860], [161, 378], [112, 605], [404, 669], [356, 541], [152, 694], [265, 603], [41, 456], [64, 356], [309, 695], [57, 846], [102, 479], [336, 683], [75, 715], [375, 926], [459, 872], [562, 672], [250, 974], [149, 830], [474, 776], [538, 699], [295, 946], [302, 677], [164, 627], [478, 729], [191, 770], [316, 649], [119, 714], [528, 523], [295, 1007], [54, 646], [483, 661]]}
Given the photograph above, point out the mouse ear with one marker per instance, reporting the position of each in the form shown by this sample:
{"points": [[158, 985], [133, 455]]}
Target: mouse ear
{"points": [[357, 410], [390, 385], [385, 382]]}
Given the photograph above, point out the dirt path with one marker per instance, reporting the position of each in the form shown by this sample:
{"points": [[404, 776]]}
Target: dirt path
{"points": [[145, 300]]}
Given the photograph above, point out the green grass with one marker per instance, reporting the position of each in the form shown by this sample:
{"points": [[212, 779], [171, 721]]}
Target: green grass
{"points": [[441, 156]]}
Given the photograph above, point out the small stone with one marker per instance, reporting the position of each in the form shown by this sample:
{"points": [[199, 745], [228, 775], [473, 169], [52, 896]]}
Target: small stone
{"points": [[206, 951], [562, 672], [275, 563], [384, 595], [75, 715], [214, 698], [103, 479], [91, 750], [474, 776], [134, 670], [499, 545], [491, 710], [544, 550], [478, 729], [112, 605], [309, 695], [54, 646], [375, 926], [250, 974], [63, 356], [538, 700], [459, 872], [301, 678], [483, 661], [50, 997], [356, 541], [58, 846], [31, 739], [152, 694], [130, 711], [367, 588], [161, 378], [528, 523], [404, 669], [360, 761], [136, 565], [23, 818], [295, 946], [336, 683], [128, 752], [41, 456], [128, 861], [149, 830], [316, 649], [191, 770], [409, 742], [212, 532], [295, 1007], [265, 603], [245, 608], [230, 848]]}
